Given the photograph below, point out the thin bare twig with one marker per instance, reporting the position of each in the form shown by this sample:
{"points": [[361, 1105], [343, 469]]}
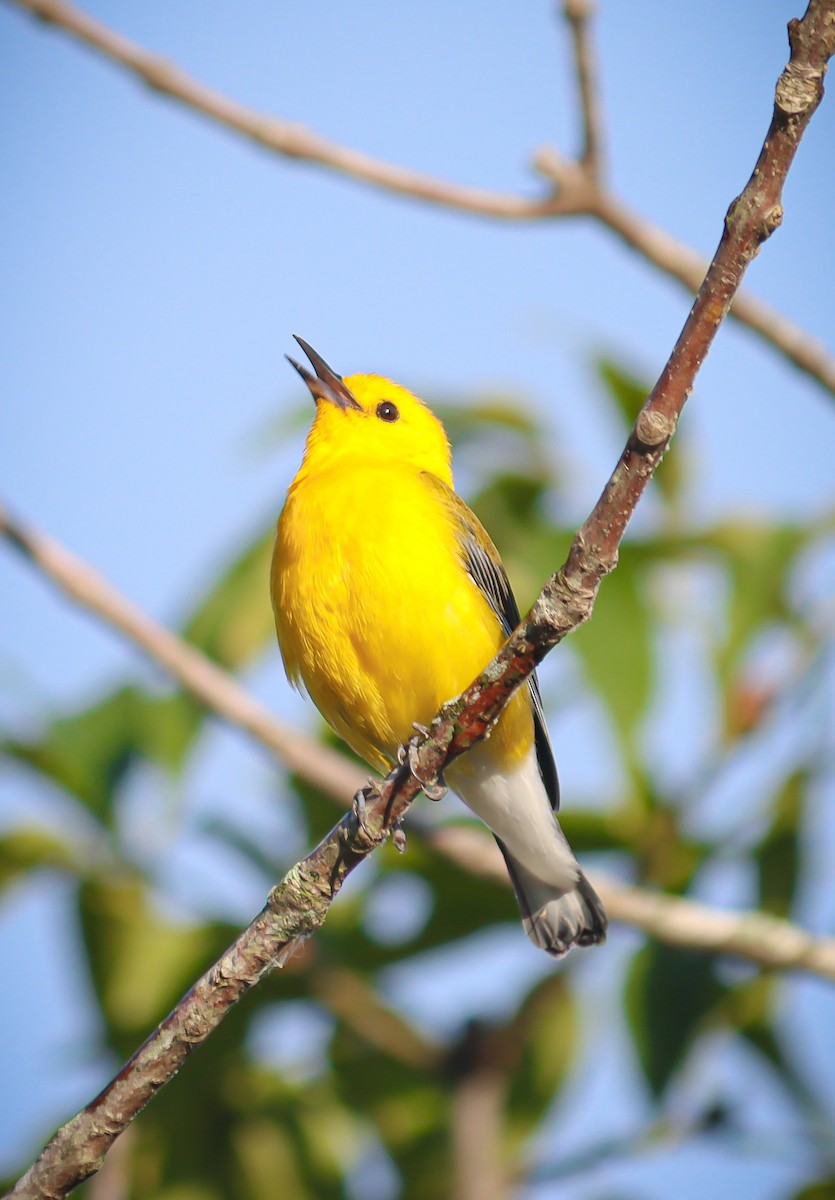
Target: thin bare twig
{"points": [[683, 264], [299, 904], [578, 14], [273, 133], [576, 193]]}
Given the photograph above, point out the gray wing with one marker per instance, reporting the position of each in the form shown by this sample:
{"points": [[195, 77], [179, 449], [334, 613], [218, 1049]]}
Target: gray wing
{"points": [[489, 576]]}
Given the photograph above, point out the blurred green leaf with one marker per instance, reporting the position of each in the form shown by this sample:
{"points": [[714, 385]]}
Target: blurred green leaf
{"points": [[409, 1108], [588, 830], [89, 753], [822, 1189], [290, 422], [23, 850], [141, 962], [665, 856], [462, 903], [617, 651], [760, 559], [512, 508], [750, 1008], [629, 393], [306, 1128], [266, 1154], [777, 857], [235, 621], [493, 413], [669, 994], [546, 1031]]}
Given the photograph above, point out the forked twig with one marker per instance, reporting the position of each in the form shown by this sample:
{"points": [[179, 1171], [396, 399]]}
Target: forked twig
{"points": [[299, 904]]}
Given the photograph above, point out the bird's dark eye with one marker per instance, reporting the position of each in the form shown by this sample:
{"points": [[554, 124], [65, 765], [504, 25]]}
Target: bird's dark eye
{"points": [[387, 411]]}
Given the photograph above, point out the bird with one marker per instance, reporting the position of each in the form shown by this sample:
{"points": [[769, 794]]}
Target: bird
{"points": [[389, 599]]}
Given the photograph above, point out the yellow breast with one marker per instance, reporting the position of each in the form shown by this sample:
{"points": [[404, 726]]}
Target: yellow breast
{"points": [[375, 612]]}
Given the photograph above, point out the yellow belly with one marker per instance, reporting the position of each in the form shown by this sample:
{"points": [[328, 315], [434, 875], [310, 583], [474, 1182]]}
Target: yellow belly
{"points": [[375, 614]]}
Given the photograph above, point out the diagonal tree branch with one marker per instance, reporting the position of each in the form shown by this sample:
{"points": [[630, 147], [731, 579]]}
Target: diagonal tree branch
{"points": [[577, 191], [764, 940], [299, 904]]}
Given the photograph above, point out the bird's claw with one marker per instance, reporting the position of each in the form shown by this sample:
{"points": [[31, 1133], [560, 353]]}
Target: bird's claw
{"points": [[435, 791], [432, 789], [398, 837], [403, 752], [359, 807]]}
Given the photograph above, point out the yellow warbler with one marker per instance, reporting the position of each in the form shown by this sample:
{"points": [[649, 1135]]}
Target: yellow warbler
{"points": [[389, 599]]}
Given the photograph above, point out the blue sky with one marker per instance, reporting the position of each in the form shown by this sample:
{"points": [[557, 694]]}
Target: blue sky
{"points": [[155, 266]]}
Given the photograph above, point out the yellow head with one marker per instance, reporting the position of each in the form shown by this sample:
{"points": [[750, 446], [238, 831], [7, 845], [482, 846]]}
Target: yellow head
{"points": [[365, 419]]}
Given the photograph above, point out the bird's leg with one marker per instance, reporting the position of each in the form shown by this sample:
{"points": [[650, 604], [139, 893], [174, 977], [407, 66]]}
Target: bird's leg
{"points": [[432, 790], [359, 807], [404, 752], [399, 838]]}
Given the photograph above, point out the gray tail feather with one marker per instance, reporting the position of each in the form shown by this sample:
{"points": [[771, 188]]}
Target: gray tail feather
{"points": [[556, 919]]}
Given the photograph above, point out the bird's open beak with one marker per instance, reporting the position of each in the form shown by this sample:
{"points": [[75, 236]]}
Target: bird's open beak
{"points": [[325, 384]]}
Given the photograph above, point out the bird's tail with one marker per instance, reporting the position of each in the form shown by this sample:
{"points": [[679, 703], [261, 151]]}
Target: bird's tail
{"points": [[555, 919]]}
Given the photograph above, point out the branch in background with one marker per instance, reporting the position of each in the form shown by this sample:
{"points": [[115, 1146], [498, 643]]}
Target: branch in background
{"points": [[755, 936], [299, 904], [682, 263], [763, 940], [209, 683], [582, 180], [273, 133], [578, 14], [347, 995], [576, 191], [476, 1132]]}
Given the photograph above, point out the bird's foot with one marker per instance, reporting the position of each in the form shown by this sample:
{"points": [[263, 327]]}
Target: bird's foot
{"points": [[403, 752], [359, 806], [433, 789], [398, 837]]}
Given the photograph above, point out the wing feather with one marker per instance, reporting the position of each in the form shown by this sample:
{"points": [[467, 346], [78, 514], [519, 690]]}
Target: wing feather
{"points": [[481, 560]]}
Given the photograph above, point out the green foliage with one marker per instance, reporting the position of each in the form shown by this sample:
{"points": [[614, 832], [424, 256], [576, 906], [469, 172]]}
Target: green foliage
{"points": [[544, 1037], [89, 753], [25, 850], [616, 650], [238, 1123], [234, 620], [670, 993], [628, 394], [124, 932], [777, 857]]}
